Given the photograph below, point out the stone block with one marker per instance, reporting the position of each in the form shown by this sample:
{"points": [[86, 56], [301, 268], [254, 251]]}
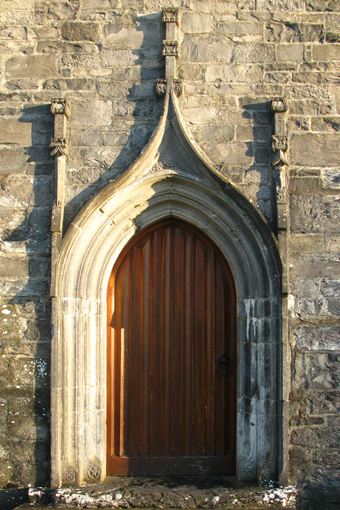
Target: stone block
{"points": [[323, 5], [94, 112], [294, 32], [80, 31], [202, 115], [326, 52], [315, 150], [317, 338], [196, 23], [12, 161], [31, 66], [306, 243], [218, 7], [237, 30], [63, 10], [330, 290], [13, 267], [120, 58], [331, 178], [230, 154], [253, 53], [290, 53], [218, 133], [316, 371], [316, 266], [195, 49], [280, 5], [321, 439], [329, 124], [191, 72], [233, 73]]}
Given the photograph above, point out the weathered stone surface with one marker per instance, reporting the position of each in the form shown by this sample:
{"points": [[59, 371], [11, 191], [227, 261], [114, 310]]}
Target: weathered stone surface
{"points": [[93, 112], [317, 338], [316, 150], [193, 23], [12, 161], [280, 5], [105, 56], [31, 66], [294, 32], [326, 52], [291, 53], [80, 31], [323, 5], [194, 49]]}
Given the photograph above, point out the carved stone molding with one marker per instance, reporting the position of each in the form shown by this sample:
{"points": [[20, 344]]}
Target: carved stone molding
{"points": [[170, 15], [178, 87], [59, 146], [70, 475], [60, 106], [279, 105], [170, 48], [188, 188], [93, 473], [161, 86]]}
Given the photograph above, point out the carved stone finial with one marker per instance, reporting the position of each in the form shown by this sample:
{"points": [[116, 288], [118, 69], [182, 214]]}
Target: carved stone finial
{"points": [[279, 105], [170, 48], [59, 146], [170, 15], [59, 106], [161, 87], [178, 87]]}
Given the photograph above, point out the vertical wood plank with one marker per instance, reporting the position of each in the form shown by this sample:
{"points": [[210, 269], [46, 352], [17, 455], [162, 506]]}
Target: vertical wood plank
{"points": [[171, 314]]}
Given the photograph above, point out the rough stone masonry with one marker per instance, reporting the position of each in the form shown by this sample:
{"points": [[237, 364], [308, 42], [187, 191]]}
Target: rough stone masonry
{"points": [[235, 56]]}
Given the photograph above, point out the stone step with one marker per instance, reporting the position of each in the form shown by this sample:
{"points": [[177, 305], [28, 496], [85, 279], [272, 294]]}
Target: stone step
{"points": [[171, 493]]}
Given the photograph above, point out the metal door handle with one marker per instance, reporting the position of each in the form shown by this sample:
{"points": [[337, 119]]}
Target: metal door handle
{"points": [[223, 365]]}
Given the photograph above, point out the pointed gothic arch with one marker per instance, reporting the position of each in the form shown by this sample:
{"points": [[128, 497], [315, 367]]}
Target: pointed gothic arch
{"points": [[170, 179]]}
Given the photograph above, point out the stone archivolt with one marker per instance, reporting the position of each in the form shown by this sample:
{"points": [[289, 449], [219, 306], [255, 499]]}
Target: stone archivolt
{"points": [[171, 178]]}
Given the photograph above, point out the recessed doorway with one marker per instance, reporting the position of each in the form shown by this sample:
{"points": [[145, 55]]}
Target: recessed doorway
{"points": [[171, 364]]}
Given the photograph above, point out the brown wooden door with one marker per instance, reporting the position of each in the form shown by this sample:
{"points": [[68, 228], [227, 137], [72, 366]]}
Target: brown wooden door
{"points": [[171, 316]]}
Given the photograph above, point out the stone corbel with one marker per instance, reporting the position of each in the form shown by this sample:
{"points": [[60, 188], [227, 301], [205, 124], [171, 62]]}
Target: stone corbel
{"points": [[60, 110]]}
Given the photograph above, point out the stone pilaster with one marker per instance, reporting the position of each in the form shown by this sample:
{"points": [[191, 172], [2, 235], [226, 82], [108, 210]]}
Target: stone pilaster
{"points": [[60, 110]]}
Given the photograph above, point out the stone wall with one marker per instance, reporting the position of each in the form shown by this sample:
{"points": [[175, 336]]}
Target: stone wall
{"points": [[105, 56]]}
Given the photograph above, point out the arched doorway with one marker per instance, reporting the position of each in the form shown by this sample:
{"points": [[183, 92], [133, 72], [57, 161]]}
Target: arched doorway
{"points": [[171, 369]]}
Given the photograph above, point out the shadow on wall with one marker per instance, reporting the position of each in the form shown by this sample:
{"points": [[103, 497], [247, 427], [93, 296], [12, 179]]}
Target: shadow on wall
{"points": [[141, 107], [27, 347], [27, 389], [260, 178]]}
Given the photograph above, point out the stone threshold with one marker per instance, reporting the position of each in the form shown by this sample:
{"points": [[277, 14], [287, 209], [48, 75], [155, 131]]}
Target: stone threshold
{"points": [[169, 493]]}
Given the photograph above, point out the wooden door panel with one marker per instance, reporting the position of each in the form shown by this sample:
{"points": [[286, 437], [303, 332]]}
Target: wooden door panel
{"points": [[171, 314]]}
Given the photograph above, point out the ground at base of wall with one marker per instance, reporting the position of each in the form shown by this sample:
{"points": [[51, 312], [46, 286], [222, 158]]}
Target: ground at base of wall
{"points": [[206, 493]]}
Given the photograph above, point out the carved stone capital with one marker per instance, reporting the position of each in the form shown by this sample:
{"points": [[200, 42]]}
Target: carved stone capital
{"points": [[279, 105], [170, 48], [178, 87], [59, 146], [170, 15], [161, 86], [59, 106], [279, 143]]}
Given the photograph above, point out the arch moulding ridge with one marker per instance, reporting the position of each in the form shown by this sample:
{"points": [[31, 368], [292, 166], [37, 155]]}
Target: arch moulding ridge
{"points": [[171, 178]]}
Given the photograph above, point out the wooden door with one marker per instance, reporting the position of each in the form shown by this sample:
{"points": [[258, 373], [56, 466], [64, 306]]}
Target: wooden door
{"points": [[171, 340]]}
